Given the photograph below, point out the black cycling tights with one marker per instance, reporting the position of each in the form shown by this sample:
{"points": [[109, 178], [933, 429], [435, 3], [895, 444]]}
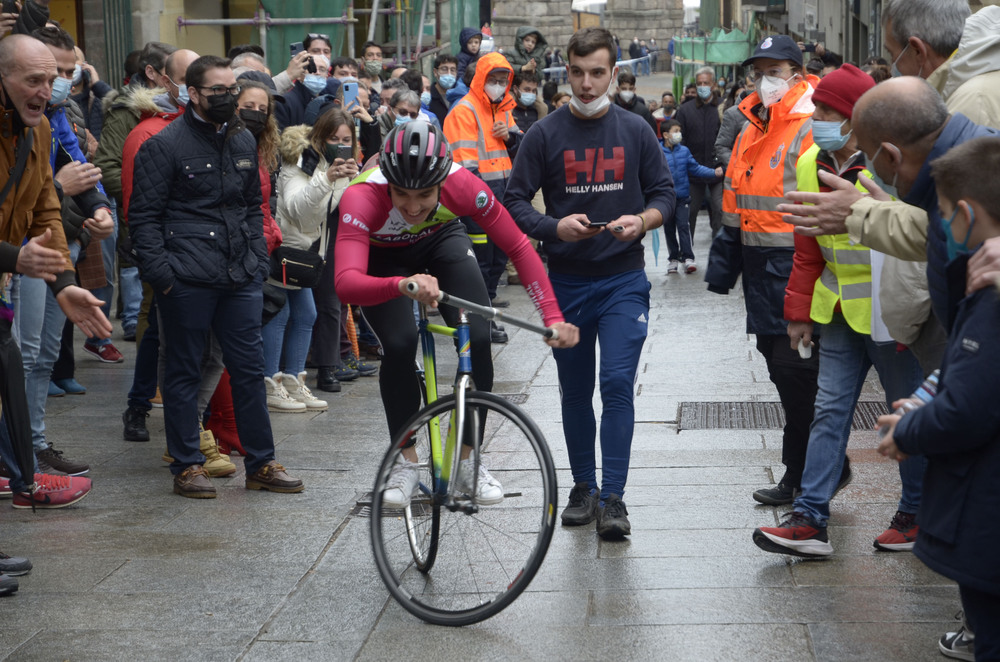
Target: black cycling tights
{"points": [[447, 255]]}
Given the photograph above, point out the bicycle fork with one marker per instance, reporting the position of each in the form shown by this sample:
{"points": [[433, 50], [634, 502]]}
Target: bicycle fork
{"points": [[460, 426]]}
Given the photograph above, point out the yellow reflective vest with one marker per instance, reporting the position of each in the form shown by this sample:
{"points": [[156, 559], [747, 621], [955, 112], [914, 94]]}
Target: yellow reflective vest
{"points": [[847, 276]]}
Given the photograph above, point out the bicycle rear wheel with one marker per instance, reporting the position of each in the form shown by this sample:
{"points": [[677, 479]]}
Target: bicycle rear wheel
{"points": [[481, 561]]}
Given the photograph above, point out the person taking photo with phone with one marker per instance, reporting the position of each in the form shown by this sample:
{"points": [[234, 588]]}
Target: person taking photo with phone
{"points": [[318, 163]]}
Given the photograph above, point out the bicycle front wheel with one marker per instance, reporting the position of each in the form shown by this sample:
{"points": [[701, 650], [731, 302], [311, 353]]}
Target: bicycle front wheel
{"points": [[450, 567]]}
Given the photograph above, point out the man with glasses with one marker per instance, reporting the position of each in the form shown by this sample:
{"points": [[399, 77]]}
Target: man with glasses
{"points": [[756, 243], [195, 213], [317, 43], [445, 78]]}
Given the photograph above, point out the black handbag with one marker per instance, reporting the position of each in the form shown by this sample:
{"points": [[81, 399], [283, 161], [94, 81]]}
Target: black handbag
{"points": [[297, 267]]}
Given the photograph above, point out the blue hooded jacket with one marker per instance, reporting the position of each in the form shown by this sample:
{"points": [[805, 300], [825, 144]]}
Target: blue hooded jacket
{"points": [[464, 56]]}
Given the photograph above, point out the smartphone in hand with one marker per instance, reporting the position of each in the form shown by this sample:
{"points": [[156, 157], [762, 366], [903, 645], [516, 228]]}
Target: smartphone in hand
{"points": [[296, 48], [345, 152], [350, 94], [598, 224]]}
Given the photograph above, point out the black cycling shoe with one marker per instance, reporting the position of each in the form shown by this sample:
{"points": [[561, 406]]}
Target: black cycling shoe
{"points": [[612, 519], [582, 506]]}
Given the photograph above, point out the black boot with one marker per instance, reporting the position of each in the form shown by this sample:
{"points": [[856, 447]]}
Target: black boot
{"points": [[134, 419], [326, 380]]}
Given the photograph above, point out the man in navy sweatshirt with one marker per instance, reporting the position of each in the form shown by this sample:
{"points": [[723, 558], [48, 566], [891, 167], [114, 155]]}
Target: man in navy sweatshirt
{"points": [[605, 183]]}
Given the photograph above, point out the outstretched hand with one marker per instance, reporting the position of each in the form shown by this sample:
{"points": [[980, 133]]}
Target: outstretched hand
{"points": [[37, 260], [815, 214], [84, 310]]}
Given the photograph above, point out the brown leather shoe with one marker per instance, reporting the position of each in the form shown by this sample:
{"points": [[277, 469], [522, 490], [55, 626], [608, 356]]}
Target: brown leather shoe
{"points": [[272, 477], [193, 483]]}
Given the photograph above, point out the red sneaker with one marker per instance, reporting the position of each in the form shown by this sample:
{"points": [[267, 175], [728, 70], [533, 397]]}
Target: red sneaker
{"points": [[53, 492], [901, 534], [5, 492], [797, 535], [104, 353]]}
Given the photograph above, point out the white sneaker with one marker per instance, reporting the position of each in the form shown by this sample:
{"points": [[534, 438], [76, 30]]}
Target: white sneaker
{"points": [[690, 267], [673, 267], [297, 390], [489, 491], [402, 484], [278, 398]]}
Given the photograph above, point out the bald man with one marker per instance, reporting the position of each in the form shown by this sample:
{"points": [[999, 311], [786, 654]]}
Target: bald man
{"points": [[31, 210], [901, 125]]}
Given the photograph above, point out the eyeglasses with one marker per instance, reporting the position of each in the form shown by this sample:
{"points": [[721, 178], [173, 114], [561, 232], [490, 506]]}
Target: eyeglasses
{"points": [[221, 89], [774, 72], [318, 35], [400, 112]]}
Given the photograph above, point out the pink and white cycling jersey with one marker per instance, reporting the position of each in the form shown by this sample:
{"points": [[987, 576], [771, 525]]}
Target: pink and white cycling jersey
{"points": [[367, 218]]}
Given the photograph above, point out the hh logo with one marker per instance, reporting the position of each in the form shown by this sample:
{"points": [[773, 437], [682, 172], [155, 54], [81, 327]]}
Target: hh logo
{"points": [[594, 169]]}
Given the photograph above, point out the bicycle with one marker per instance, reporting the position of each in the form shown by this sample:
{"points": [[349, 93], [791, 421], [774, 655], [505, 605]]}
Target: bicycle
{"points": [[484, 555]]}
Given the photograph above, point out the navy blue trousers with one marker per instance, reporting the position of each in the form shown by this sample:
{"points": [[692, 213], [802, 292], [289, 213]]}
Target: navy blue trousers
{"points": [[612, 311], [188, 312]]}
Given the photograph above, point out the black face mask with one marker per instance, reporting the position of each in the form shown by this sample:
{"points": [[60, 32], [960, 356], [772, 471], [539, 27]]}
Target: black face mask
{"points": [[255, 120], [221, 108]]}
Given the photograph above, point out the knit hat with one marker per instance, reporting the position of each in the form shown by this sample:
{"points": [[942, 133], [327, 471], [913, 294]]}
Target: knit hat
{"points": [[841, 88]]}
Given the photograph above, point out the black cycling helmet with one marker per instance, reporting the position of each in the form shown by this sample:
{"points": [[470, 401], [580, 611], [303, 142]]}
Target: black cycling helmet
{"points": [[415, 155]]}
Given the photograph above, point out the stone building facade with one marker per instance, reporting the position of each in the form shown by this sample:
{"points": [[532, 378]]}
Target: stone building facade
{"points": [[657, 19]]}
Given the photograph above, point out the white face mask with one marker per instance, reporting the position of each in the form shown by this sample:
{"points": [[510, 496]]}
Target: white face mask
{"points": [[626, 95], [495, 91], [598, 104], [773, 89], [675, 138]]}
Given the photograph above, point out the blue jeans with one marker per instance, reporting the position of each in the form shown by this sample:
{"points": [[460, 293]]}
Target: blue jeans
{"points": [[845, 357], [677, 228], [612, 310], [38, 326], [131, 291], [298, 317]]}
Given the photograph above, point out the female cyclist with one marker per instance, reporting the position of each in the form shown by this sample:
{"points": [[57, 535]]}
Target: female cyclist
{"points": [[398, 225]]}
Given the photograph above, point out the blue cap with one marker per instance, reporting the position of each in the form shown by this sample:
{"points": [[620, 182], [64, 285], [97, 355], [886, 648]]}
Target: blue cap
{"points": [[777, 47]]}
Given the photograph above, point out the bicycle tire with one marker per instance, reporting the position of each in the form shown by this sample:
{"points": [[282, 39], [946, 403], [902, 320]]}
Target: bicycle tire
{"points": [[483, 560]]}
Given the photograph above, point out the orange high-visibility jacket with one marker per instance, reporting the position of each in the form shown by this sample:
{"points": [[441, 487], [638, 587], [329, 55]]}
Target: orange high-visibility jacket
{"points": [[762, 167], [469, 125]]}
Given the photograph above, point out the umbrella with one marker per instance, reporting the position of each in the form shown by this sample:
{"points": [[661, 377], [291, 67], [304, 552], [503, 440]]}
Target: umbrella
{"points": [[16, 421]]}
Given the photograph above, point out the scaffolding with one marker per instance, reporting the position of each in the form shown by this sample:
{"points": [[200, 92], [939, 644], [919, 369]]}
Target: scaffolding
{"points": [[405, 26]]}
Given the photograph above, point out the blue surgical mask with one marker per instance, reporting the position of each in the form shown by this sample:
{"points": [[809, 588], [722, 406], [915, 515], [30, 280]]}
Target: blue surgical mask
{"points": [[704, 92], [182, 93], [528, 98], [956, 248], [888, 188], [827, 135], [896, 73], [60, 90], [447, 81], [314, 83], [402, 119], [425, 98], [77, 74]]}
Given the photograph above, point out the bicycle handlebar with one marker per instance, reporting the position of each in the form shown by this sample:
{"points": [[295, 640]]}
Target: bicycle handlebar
{"points": [[488, 312]]}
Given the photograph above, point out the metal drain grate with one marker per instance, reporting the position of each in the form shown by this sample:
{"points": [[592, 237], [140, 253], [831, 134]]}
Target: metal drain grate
{"points": [[759, 415], [514, 398], [363, 508]]}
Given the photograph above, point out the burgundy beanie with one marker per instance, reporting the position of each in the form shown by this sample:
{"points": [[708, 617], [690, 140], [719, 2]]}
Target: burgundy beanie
{"points": [[841, 88]]}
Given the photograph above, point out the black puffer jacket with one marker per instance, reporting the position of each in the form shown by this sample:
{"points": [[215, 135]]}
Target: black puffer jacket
{"points": [[195, 212]]}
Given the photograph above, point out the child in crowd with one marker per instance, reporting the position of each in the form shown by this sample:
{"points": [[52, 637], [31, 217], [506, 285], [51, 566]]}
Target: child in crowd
{"points": [[469, 39], [677, 228], [959, 430]]}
